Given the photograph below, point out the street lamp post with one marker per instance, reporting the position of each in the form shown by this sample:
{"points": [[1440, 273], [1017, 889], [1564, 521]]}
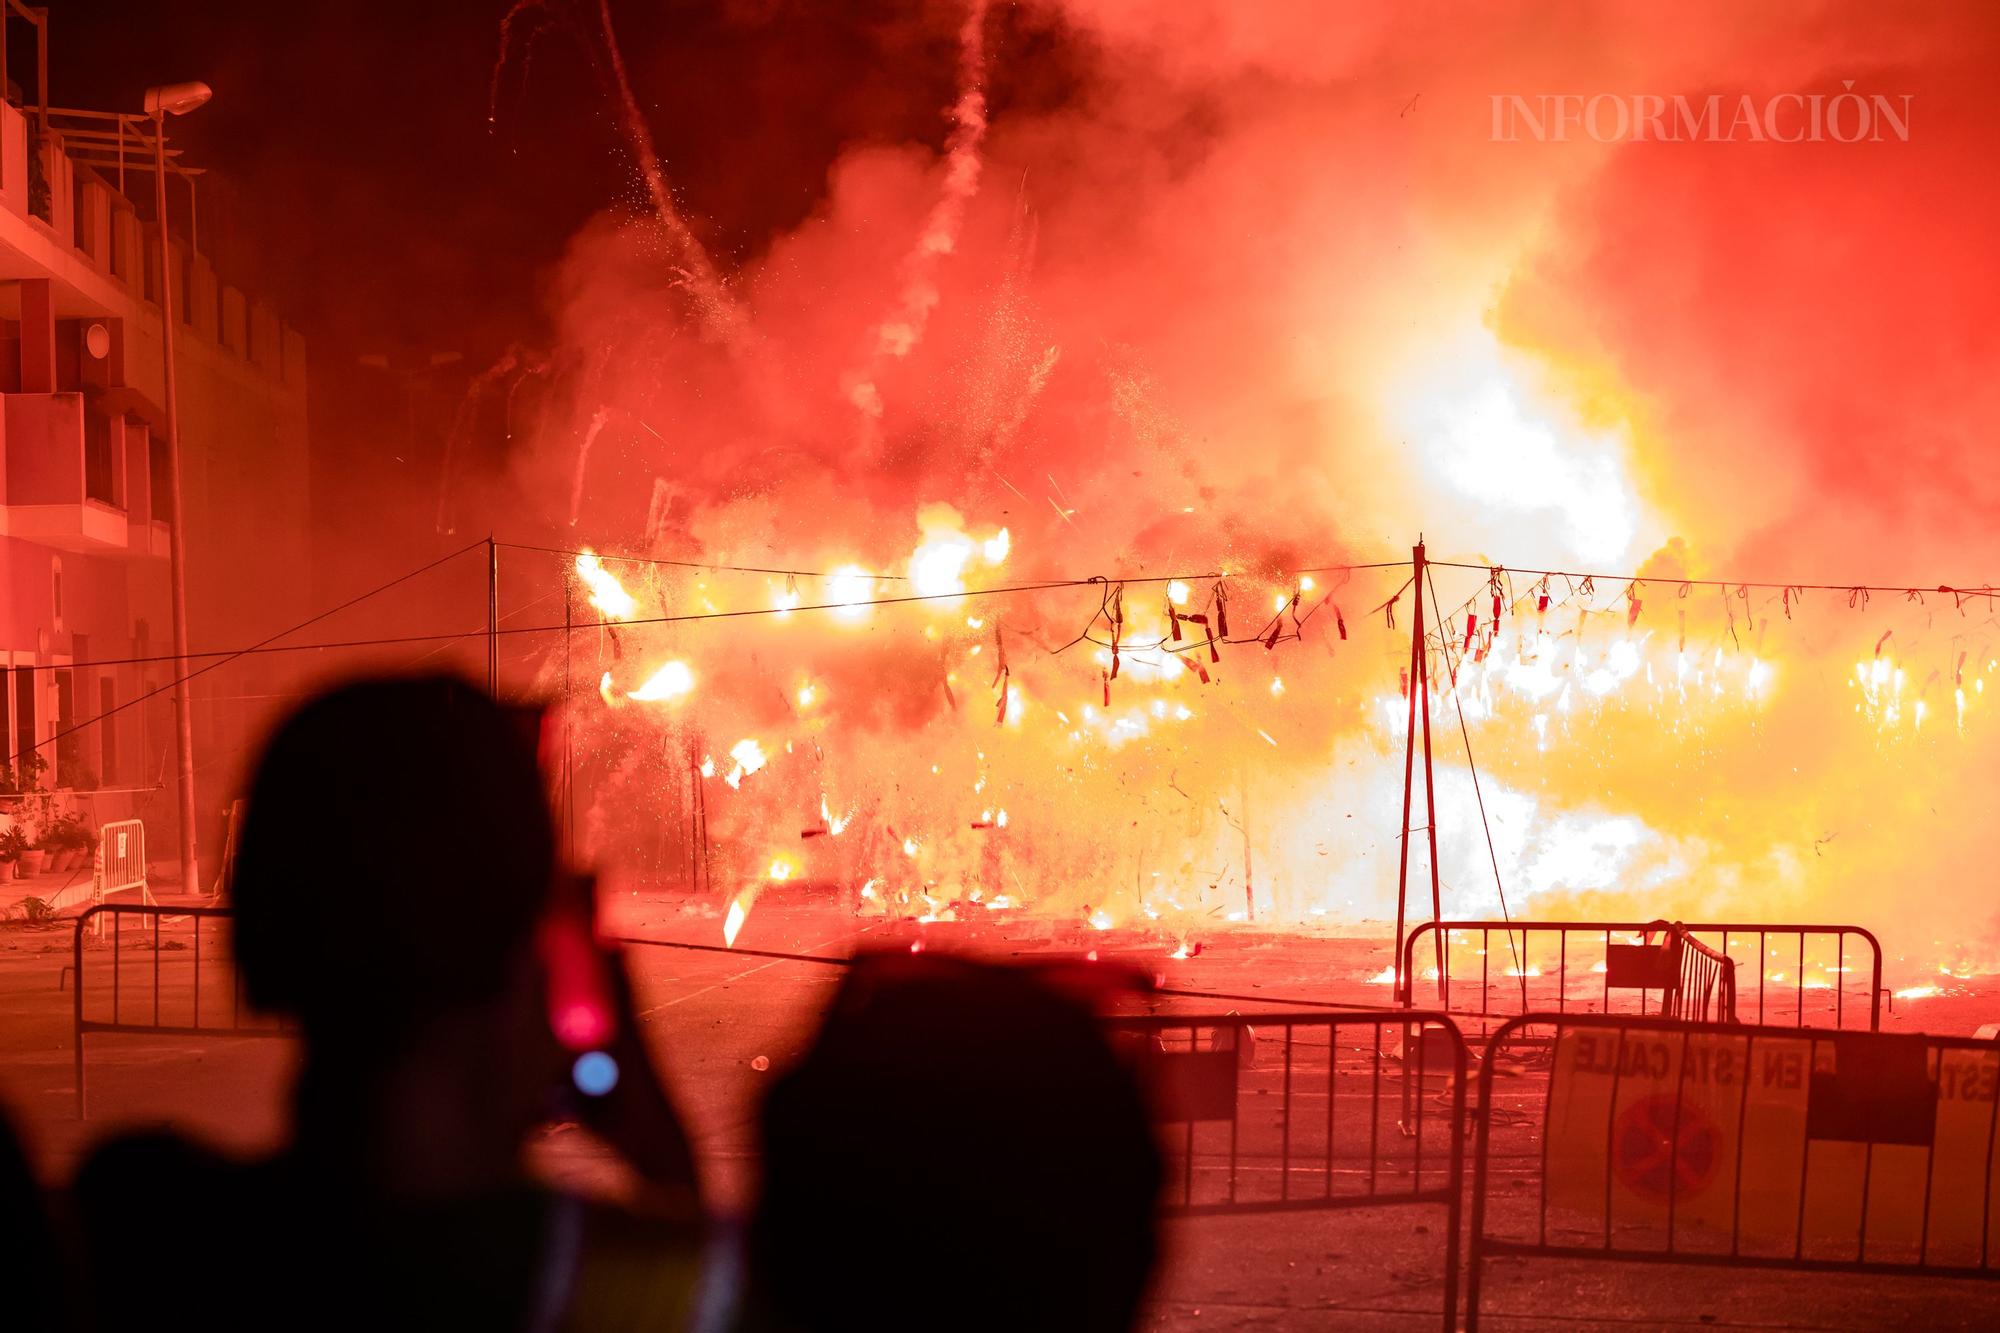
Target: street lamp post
{"points": [[176, 99]]}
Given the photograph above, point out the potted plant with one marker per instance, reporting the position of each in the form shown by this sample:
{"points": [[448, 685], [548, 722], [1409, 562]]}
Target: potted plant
{"points": [[33, 858], [12, 844], [55, 843], [81, 841], [84, 840], [27, 775]]}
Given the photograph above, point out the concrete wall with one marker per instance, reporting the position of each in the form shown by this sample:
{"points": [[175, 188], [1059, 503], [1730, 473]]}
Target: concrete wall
{"points": [[44, 448]]}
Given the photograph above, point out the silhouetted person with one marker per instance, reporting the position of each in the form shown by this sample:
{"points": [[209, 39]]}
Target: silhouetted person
{"points": [[33, 1293], [959, 1150], [394, 886]]}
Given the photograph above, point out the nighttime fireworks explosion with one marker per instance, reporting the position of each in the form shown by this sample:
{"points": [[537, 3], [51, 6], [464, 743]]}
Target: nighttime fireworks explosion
{"points": [[1088, 665]]}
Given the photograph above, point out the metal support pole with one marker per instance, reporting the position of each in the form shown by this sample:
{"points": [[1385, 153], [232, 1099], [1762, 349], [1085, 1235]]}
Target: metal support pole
{"points": [[177, 535], [76, 1002], [492, 617], [1430, 791], [1403, 987], [42, 66], [569, 706]]}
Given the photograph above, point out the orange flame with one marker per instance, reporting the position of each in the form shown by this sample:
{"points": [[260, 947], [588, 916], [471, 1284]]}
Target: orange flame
{"points": [[672, 681], [606, 593]]}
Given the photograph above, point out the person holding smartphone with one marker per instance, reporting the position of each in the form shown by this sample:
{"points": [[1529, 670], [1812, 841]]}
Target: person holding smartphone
{"points": [[398, 897]]}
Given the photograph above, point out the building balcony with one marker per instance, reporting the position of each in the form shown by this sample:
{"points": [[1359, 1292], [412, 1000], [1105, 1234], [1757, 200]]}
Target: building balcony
{"points": [[72, 477]]}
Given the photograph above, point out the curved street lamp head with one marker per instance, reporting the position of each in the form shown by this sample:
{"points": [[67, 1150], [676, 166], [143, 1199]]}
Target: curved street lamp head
{"points": [[177, 99]]}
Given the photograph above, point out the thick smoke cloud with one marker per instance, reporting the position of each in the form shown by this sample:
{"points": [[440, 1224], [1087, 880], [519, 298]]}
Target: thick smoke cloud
{"points": [[1264, 295]]}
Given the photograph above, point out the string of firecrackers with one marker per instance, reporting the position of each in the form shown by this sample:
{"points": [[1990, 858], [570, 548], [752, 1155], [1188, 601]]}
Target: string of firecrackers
{"points": [[1003, 675], [1735, 596], [1213, 622], [1789, 594], [1478, 640], [1737, 607]]}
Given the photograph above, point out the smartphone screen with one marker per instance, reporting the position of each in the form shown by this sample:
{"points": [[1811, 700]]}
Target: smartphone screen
{"points": [[581, 1012]]}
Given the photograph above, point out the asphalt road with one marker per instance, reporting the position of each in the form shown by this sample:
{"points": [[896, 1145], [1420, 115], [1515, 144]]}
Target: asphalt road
{"points": [[721, 1020]]}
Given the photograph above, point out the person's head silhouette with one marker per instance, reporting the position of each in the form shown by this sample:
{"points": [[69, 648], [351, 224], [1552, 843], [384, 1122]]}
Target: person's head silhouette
{"points": [[397, 857], [961, 1148], [415, 805]]}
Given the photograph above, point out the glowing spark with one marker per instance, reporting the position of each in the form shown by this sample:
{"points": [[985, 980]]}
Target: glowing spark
{"points": [[909, 846], [938, 567], [1177, 593], [1277, 685], [805, 696], [672, 681], [1100, 920], [606, 593], [835, 824], [1923, 992], [749, 757], [604, 689], [781, 869], [848, 587], [995, 548], [1386, 977]]}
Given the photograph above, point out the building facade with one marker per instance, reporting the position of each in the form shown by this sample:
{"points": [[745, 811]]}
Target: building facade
{"points": [[85, 508]]}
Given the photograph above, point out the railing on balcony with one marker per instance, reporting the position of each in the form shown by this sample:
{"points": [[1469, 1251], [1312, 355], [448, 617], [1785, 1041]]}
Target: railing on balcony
{"points": [[72, 471], [113, 143]]}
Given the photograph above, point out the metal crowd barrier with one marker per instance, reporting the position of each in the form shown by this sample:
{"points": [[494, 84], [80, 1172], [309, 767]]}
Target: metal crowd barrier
{"points": [[1733, 1146], [117, 866], [1291, 1111], [1704, 981], [121, 856], [186, 984], [1586, 968]]}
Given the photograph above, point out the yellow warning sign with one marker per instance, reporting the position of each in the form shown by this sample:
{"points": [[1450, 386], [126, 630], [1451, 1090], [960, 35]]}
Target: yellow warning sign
{"points": [[1783, 1142]]}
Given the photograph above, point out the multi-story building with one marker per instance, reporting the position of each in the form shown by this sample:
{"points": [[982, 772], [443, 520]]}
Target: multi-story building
{"points": [[85, 609]]}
